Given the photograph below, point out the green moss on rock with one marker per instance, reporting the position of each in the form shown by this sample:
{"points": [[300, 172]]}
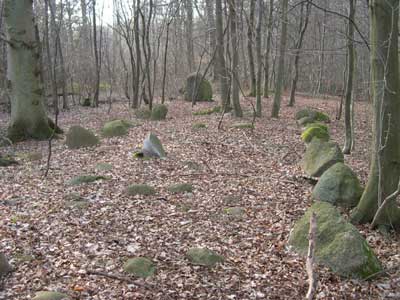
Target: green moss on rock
{"points": [[85, 179], [159, 112], [6, 161], [203, 257], [140, 267], [339, 245], [115, 128], [199, 126], [104, 167], [243, 126], [46, 295], [79, 137], [180, 188], [197, 87], [311, 115], [340, 186], [143, 113], [320, 156], [315, 132], [140, 189]]}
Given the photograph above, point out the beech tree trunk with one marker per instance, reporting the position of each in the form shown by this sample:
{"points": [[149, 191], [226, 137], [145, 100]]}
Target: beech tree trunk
{"points": [[260, 8], [384, 173], [250, 30], [28, 116], [268, 49], [281, 63]]}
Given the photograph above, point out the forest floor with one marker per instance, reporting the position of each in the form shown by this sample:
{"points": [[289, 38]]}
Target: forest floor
{"points": [[54, 246]]}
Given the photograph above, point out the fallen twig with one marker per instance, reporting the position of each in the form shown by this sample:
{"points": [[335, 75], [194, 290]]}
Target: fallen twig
{"points": [[312, 276]]}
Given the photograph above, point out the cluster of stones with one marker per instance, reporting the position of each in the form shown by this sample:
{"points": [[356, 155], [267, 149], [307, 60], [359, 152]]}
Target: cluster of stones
{"points": [[339, 244]]}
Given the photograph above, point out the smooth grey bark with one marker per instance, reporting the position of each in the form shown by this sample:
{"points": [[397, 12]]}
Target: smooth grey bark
{"points": [[384, 174], [95, 102], [348, 101], [220, 62], [250, 52], [260, 9], [189, 35], [237, 110], [211, 34], [28, 116], [281, 62], [268, 49], [304, 20]]}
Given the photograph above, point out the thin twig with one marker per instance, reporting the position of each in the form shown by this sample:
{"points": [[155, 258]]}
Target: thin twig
{"points": [[312, 276]]}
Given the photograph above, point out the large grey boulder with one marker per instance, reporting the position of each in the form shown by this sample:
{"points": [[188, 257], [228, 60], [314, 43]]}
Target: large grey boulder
{"points": [[115, 128], [5, 267], [140, 267], [203, 257], [79, 137], [197, 87], [48, 295], [320, 156], [339, 245], [152, 147], [339, 185]]}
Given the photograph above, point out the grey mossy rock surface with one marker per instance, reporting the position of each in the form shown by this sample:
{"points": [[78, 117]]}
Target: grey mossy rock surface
{"points": [[104, 167], [180, 188], [46, 295], [203, 257], [199, 126], [159, 112], [140, 189], [315, 132], [305, 121], [115, 128], [339, 186], [195, 86], [320, 156], [339, 245], [207, 111], [85, 179], [152, 147], [140, 267], [236, 212], [79, 137], [5, 267], [143, 113], [314, 115], [6, 161], [31, 156]]}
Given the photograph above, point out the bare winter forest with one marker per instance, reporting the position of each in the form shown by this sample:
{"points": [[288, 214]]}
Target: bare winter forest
{"points": [[199, 149]]}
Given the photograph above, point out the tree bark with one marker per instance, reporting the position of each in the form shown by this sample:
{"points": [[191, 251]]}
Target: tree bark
{"points": [[268, 49], [260, 8], [28, 116], [384, 173], [189, 35], [250, 30], [281, 63], [348, 101]]}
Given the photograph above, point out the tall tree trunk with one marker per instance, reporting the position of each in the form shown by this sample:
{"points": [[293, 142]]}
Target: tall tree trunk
{"points": [[260, 8], [235, 60], [28, 116], [211, 34], [281, 63], [95, 102], [384, 173], [268, 49], [189, 35], [319, 88], [302, 30], [222, 72], [348, 101], [250, 33]]}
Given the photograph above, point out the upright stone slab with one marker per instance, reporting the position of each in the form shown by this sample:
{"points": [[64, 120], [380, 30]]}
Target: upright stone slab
{"points": [[152, 147], [5, 267], [46, 295], [115, 128], [339, 186], [79, 137], [320, 156], [197, 87], [339, 245]]}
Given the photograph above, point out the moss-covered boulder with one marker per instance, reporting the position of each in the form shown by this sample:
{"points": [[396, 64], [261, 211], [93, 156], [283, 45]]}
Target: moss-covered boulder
{"points": [[57, 129], [104, 167], [312, 115], [340, 186], [85, 179], [203, 257], [86, 102], [305, 121], [159, 112], [315, 132], [47, 295], [143, 113], [140, 267], [31, 156], [5, 267], [6, 161], [140, 189], [79, 137], [197, 87], [115, 128], [339, 245], [180, 188], [320, 156]]}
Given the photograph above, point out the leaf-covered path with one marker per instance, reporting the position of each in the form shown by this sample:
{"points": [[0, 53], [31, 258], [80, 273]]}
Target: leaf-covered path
{"points": [[54, 246]]}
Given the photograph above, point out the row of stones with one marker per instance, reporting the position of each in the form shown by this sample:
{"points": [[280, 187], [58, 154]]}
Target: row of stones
{"points": [[339, 244]]}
